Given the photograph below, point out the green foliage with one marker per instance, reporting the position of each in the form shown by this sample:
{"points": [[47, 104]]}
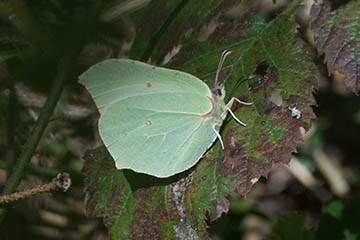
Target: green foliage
{"points": [[292, 227], [340, 220], [334, 209], [40, 47], [265, 58]]}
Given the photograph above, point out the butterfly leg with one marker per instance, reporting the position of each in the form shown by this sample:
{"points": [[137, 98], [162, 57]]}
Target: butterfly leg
{"points": [[228, 108], [218, 136], [241, 102], [236, 119]]}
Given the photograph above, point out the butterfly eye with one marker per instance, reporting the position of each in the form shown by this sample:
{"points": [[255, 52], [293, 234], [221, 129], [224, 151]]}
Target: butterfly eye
{"points": [[218, 92]]}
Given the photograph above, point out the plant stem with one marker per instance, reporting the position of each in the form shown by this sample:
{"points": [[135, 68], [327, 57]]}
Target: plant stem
{"points": [[74, 44], [39, 127]]}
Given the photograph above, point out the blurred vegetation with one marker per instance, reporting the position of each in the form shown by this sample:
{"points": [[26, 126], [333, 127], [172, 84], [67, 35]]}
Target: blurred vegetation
{"points": [[45, 45]]}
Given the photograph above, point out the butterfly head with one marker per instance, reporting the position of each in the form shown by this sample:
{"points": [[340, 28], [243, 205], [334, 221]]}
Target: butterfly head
{"points": [[219, 92]]}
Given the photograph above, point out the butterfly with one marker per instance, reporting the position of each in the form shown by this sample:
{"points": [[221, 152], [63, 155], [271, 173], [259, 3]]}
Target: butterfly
{"points": [[155, 120]]}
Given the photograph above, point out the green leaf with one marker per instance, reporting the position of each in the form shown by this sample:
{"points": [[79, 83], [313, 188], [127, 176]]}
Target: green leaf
{"points": [[128, 202], [334, 209], [350, 235], [292, 227], [337, 36], [266, 58], [340, 220]]}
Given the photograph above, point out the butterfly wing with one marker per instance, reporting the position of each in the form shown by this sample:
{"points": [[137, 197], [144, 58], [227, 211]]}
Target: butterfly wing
{"points": [[115, 79], [152, 119]]}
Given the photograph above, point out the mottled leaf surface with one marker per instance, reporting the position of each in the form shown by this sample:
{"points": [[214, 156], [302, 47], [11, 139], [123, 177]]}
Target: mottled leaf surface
{"points": [[266, 59], [337, 37], [268, 62], [133, 206]]}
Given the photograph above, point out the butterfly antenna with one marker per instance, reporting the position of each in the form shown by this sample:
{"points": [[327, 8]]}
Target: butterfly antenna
{"points": [[222, 59]]}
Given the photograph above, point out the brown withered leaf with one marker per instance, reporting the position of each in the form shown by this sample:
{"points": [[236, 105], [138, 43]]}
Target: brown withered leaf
{"points": [[337, 37]]}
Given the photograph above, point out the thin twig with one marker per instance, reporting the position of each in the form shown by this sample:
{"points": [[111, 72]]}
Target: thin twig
{"points": [[62, 181], [38, 129], [20, 195]]}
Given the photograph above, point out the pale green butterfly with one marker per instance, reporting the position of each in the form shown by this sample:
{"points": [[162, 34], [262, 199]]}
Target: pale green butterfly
{"points": [[155, 120]]}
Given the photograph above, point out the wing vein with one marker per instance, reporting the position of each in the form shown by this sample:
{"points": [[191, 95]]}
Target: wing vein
{"points": [[183, 143], [157, 111], [116, 89], [120, 99]]}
